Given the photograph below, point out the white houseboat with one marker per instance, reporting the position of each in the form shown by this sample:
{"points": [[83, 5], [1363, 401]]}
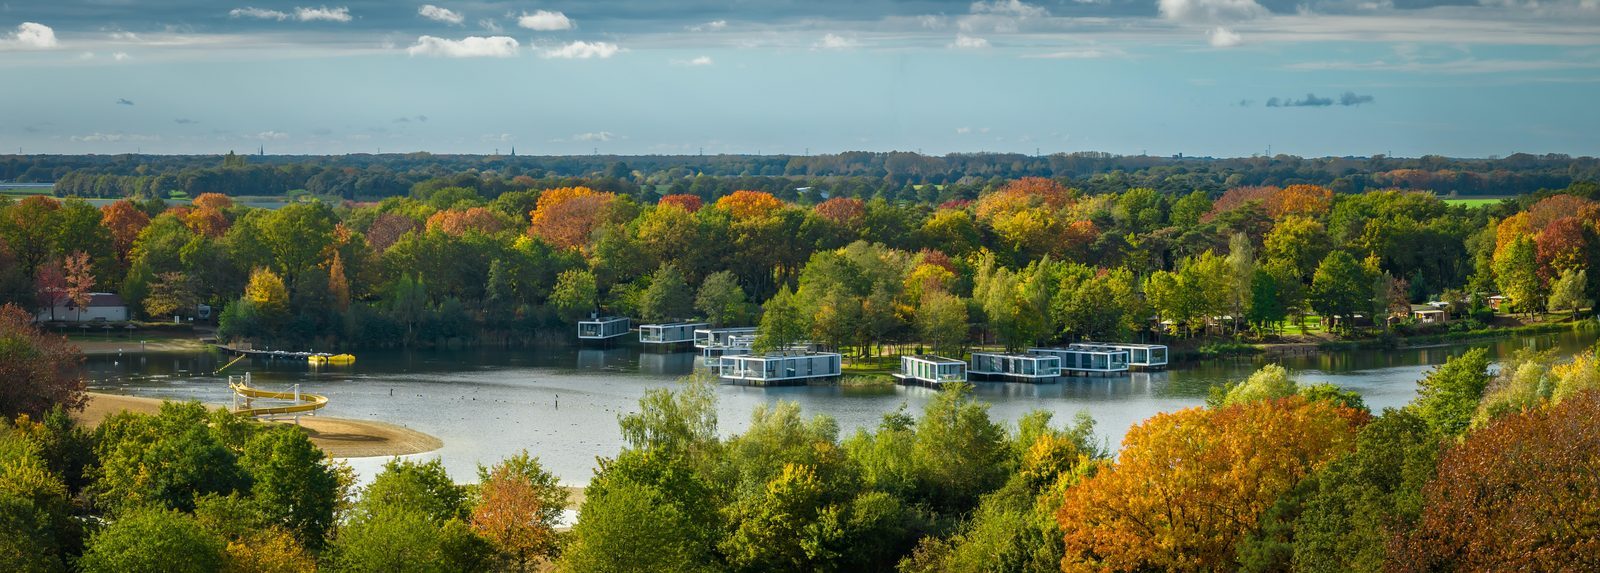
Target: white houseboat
{"points": [[928, 370], [1140, 356], [779, 368], [1018, 367], [669, 333], [715, 342], [1079, 359], [603, 327]]}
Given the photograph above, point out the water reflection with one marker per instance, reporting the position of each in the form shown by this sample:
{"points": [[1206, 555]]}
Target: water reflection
{"points": [[486, 404]]}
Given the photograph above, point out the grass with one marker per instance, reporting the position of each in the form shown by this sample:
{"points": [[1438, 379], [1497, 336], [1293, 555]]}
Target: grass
{"points": [[1475, 202]]}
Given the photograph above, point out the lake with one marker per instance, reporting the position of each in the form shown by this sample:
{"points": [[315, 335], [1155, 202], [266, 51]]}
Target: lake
{"points": [[562, 403]]}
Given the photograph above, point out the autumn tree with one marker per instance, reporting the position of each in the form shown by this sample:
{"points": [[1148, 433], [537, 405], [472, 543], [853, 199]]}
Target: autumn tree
{"points": [[567, 216], [1517, 495], [749, 204], [519, 506], [267, 293], [40, 370], [689, 203], [124, 221], [1188, 485], [171, 293], [1516, 271], [387, 228], [1569, 292]]}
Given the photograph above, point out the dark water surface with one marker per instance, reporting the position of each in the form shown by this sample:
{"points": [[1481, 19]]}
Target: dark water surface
{"points": [[486, 404]]}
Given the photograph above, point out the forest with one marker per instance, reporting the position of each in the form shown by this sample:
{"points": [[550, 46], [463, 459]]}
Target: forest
{"points": [[480, 258], [1481, 471]]}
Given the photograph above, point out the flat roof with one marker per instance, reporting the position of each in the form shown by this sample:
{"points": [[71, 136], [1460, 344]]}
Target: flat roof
{"points": [[932, 358]]}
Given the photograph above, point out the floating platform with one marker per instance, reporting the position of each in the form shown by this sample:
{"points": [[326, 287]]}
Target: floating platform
{"points": [[1014, 367], [780, 368], [931, 371]]}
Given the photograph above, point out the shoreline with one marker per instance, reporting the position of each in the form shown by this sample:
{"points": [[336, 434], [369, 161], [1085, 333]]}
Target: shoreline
{"points": [[91, 347], [340, 437]]}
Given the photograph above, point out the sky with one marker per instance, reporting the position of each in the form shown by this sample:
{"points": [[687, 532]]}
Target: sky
{"points": [[1462, 78]]}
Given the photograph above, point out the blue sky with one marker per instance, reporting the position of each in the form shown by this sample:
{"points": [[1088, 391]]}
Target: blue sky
{"points": [[1199, 77]]}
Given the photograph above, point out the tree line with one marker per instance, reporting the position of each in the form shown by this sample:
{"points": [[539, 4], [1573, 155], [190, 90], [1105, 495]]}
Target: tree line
{"points": [[1028, 261], [1481, 471]]}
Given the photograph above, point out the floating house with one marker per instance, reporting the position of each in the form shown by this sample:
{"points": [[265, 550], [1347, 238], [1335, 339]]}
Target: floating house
{"points": [[1140, 356], [930, 370], [780, 368], [603, 327], [669, 333], [1018, 367], [715, 342], [1083, 359]]}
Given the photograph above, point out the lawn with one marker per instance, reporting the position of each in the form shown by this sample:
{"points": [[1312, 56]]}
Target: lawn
{"points": [[1475, 202]]}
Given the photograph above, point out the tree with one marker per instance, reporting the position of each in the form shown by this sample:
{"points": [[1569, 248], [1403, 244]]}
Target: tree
{"points": [[628, 527], [124, 221], [292, 479], [942, 322], [1339, 288], [170, 294], [1300, 242], [749, 204], [574, 295], [267, 293], [40, 370], [1271, 382], [789, 528], [958, 452], [297, 236], [402, 540], [1187, 211], [567, 216], [1449, 395], [422, 487], [519, 506], [689, 203], [667, 297], [1517, 495], [782, 324], [166, 460], [79, 279], [1570, 292], [721, 299], [153, 540], [1189, 484], [1516, 271]]}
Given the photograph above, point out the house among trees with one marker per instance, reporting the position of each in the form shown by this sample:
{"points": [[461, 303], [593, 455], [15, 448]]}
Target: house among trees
{"points": [[102, 307], [780, 368], [1087, 359], [929, 370], [1498, 301], [1428, 314]]}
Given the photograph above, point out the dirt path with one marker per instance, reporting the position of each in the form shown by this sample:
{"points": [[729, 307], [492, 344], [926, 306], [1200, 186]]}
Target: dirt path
{"points": [[340, 437]]}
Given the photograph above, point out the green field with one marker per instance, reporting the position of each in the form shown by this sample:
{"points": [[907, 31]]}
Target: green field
{"points": [[1475, 201]]}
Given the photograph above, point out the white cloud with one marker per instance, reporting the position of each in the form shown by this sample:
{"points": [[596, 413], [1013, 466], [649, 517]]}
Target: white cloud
{"points": [[835, 42], [1210, 11], [963, 130], [468, 47], [121, 56], [323, 14], [700, 61], [303, 14], [1080, 54], [712, 26], [595, 136], [581, 50], [257, 13], [438, 14], [1009, 8], [270, 136], [490, 25], [1224, 38], [501, 137], [545, 21], [31, 36], [965, 42], [98, 137]]}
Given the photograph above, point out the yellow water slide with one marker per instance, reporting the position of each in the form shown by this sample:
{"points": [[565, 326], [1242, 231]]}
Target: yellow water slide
{"points": [[302, 402]]}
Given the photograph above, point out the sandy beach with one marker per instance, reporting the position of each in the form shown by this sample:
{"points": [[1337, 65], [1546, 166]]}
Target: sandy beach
{"points": [[338, 436], [112, 346]]}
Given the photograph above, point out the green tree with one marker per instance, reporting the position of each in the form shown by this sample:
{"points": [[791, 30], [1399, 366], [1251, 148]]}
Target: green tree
{"points": [[1569, 292], [1187, 210], [787, 528], [1516, 271], [721, 299], [632, 527], [575, 295], [297, 235], [1449, 395], [422, 487], [782, 323], [1271, 382], [293, 480], [668, 296], [153, 540], [958, 451], [166, 460], [942, 322], [397, 539], [1339, 288]]}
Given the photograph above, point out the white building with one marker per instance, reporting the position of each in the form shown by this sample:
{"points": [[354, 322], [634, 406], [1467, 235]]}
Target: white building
{"points": [[604, 327], [931, 370], [669, 333], [780, 368], [1020, 367], [103, 307]]}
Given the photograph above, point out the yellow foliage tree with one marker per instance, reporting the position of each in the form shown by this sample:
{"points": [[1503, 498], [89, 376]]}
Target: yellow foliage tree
{"points": [[267, 292]]}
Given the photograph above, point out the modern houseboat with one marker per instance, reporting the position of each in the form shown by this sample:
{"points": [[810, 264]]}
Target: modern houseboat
{"points": [[1140, 356], [1014, 367], [715, 342], [598, 328], [1080, 359], [779, 368], [669, 333], [928, 370]]}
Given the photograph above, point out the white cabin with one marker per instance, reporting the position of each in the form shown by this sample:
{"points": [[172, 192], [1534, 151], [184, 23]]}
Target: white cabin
{"points": [[931, 370], [669, 333], [715, 342], [780, 368], [103, 307], [604, 327], [1087, 359], [1143, 356], [1023, 367]]}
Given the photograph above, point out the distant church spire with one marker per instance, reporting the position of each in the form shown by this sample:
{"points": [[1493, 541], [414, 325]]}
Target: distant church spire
{"points": [[513, 151]]}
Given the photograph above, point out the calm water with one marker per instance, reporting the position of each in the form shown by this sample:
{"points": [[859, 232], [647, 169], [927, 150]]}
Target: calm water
{"points": [[486, 404]]}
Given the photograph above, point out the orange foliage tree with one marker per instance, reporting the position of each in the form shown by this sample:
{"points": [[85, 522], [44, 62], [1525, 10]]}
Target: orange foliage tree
{"points": [[206, 221], [690, 203], [125, 222], [518, 506], [1561, 246], [1189, 484], [847, 212], [749, 204], [455, 222], [1239, 196], [567, 216], [1024, 193], [1517, 495], [1308, 200], [1554, 207], [388, 228], [216, 201]]}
